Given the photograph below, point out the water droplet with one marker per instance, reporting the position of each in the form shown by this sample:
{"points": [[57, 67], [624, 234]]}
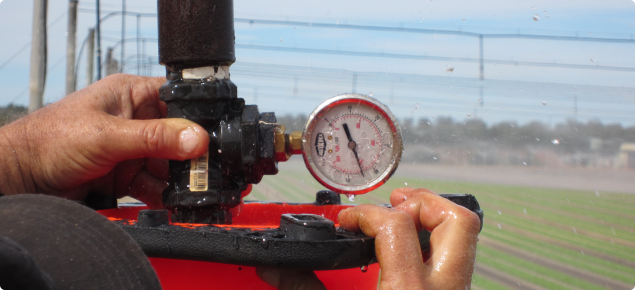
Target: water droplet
{"points": [[449, 68], [538, 139], [499, 212], [406, 183], [416, 106], [555, 141], [499, 227], [524, 211], [597, 193], [574, 231], [544, 103], [364, 269], [592, 59], [280, 39], [536, 17], [524, 163], [370, 94], [220, 151], [479, 99], [434, 158]]}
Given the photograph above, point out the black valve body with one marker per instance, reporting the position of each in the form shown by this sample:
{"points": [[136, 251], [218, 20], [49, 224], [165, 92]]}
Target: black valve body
{"points": [[195, 34], [241, 148]]}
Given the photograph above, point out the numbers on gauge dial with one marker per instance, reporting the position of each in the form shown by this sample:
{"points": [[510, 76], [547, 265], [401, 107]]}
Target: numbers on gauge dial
{"points": [[356, 158]]}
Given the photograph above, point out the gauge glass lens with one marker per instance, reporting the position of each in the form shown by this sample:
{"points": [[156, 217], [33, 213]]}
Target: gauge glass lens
{"points": [[353, 145]]}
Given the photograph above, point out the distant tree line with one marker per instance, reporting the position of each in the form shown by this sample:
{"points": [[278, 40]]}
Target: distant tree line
{"points": [[568, 137], [11, 113]]}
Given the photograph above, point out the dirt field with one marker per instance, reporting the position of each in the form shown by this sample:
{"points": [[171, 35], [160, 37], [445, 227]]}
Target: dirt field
{"points": [[567, 178]]}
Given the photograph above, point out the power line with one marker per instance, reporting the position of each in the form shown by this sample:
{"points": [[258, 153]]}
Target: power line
{"points": [[425, 57], [27, 88], [28, 43], [431, 31]]}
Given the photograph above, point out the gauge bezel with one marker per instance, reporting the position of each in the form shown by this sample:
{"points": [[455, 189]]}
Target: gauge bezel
{"points": [[342, 100]]}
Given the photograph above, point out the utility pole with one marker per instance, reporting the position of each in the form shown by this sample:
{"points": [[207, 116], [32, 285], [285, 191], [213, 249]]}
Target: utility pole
{"points": [[112, 66], [90, 57], [37, 73], [575, 107], [71, 38], [123, 34], [138, 43], [354, 83], [98, 38], [480, 59]]}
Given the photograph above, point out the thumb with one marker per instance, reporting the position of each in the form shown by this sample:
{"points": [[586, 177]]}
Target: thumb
{"points": [[290, 279], [176, 139]]}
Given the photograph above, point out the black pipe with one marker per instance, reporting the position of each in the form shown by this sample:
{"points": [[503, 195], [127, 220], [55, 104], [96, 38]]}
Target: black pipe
{"points": [[196, 33]]}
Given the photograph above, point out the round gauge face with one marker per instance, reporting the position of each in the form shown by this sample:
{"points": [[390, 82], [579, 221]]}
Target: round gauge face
{"points": [[352, 144]]}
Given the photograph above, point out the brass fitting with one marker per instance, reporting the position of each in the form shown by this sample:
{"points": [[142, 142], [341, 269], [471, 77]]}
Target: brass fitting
{"points": [[286, 145], [295, 142]]}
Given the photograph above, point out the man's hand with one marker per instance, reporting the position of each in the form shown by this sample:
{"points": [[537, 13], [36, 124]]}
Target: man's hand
{"points": [[449, 263], [107, 138]]}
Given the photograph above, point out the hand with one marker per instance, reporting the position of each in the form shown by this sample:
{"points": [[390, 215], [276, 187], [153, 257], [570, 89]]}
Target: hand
{"points": [[449, 263], [105, 138]]}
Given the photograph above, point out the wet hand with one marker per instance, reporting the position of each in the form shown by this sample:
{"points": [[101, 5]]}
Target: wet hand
{"points": [[108, 138], [449, 263]]}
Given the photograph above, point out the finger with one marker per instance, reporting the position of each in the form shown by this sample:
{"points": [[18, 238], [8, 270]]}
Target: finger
{"points": [[145, 98], [453, 240], [128, 96], [147, 189], [290, 279], [159, 168], [175, 139], [125, 173], [396, 243], [400, 195]]}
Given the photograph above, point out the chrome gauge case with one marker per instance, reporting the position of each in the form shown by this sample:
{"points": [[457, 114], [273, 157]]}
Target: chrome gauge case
{"points": [[352, 144]]}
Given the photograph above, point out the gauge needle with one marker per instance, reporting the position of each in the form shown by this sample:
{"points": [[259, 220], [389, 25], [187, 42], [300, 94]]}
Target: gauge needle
{"points": [[352, 145]]}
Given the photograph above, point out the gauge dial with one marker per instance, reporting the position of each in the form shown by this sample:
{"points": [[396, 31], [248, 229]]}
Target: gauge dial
{"points": [[352, 144]]}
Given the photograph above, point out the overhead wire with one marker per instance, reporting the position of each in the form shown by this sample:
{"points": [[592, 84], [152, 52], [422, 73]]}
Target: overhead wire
{"points": [[28, 43]]}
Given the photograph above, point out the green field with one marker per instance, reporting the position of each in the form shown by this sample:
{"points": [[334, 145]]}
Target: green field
{"points": [[533, 238]]}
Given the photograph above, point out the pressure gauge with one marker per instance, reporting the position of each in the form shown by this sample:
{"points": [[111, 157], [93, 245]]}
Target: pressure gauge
{"points": [[352, 144]]}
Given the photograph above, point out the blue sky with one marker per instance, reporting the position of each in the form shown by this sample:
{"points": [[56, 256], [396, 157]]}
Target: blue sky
{"points": [[303, 80]]}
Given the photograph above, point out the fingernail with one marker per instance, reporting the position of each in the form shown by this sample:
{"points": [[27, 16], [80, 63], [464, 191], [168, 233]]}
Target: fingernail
{"points": [[188, 140], [270, 276]]}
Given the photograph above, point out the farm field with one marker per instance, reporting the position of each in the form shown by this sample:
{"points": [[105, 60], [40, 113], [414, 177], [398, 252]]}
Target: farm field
{"points": [[532, 238]]}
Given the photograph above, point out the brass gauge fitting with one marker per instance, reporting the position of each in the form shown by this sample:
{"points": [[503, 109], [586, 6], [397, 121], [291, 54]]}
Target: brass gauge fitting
{"points": [[286, 144]]}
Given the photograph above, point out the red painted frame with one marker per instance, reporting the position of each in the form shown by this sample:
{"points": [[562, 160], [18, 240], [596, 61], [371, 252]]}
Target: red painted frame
{"points": [[185, 274]]}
